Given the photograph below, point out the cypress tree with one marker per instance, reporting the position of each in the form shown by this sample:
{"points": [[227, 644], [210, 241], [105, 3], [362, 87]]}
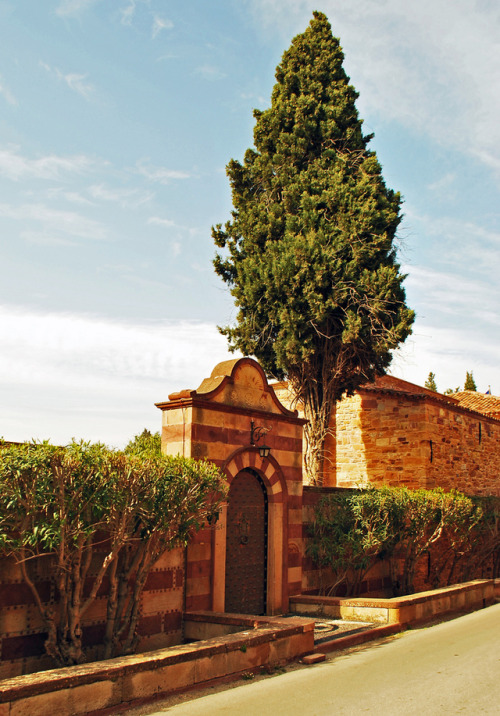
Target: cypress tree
{"points": [[310, 257], [430, 383], [470, 383]]}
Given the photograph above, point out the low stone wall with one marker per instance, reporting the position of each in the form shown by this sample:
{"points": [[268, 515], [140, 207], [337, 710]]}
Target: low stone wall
{"points": [[129, 680], [404, 610], [205, 625]]}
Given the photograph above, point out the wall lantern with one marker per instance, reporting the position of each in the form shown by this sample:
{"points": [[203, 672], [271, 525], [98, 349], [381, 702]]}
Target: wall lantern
{"points": [[256, 435]]}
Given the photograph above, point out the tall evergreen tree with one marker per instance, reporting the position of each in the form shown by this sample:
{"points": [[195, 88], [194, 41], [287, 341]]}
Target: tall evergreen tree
{"points": [[470, 383], [310, 259]]}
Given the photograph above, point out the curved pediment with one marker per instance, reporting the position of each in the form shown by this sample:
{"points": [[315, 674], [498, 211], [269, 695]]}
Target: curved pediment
{"points": [[240, 383]]}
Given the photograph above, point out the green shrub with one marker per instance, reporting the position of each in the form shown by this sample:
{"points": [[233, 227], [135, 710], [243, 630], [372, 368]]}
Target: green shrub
{"points": [[353, 529], [57, 504]]}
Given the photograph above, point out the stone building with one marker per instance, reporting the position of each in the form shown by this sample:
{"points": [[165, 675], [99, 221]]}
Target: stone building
{"points": [[392, 432]]}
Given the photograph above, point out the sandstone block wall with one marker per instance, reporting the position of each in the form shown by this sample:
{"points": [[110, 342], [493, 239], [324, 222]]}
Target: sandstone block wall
{"points": [[22, 633], [393, 438], [465, 450]]}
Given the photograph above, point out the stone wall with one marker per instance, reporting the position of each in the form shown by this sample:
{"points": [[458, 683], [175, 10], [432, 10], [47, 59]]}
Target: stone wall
{"points": [[394, 438], [22, 633], [465, 450], [381, 440]]}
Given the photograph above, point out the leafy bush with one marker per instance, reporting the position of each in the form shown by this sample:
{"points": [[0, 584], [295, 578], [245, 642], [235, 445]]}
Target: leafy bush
{"points": [[89, 513], [349, 533], [145, 444], [353, 529]]}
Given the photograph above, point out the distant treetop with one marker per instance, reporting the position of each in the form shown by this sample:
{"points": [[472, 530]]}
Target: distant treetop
{"points": [[430, 383], [470, 383]]}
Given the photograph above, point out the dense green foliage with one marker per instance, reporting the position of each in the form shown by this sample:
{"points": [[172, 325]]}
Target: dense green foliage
{"points": [[470, 383], [430, 383], [145, 444], [83, 514], [352, 530], [310, 256]]}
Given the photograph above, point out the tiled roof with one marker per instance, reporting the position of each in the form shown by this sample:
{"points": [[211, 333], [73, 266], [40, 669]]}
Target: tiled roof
{"points": [[390, 382], [481, 403]]}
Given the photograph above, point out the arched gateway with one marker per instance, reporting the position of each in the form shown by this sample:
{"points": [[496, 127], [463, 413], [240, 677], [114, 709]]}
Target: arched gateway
{"points": [[241, 564]]}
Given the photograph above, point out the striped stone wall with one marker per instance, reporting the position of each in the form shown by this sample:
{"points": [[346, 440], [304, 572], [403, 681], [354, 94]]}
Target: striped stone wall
{"points": [[22, 633], [214, 423]]}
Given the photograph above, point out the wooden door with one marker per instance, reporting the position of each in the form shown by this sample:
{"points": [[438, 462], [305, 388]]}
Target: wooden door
{"points": [[246, 545]]}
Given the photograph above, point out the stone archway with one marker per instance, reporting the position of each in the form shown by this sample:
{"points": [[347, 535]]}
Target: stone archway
{"points": [[216, 422], [246, 545]]}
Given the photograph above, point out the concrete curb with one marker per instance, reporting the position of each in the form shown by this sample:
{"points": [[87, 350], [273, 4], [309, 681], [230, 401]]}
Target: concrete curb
{"points": [[345, 642]]}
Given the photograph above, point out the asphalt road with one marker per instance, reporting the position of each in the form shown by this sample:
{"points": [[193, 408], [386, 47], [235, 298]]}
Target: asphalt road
{"points": [[449, 668]]}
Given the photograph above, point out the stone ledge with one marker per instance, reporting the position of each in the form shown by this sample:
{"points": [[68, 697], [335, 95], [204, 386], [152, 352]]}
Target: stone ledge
{"points": [[128, 679], [404, 610]]}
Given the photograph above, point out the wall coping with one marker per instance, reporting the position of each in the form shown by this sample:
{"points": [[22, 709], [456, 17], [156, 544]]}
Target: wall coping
{"points": [[395, 602], [268, 629]]}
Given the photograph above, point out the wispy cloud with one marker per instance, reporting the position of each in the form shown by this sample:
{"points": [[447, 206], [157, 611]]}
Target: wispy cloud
{"points": [[74, 197], [94, 366], [15, 166], [45, 238], [449, 352], [160, 24], [76, 82], [73, 8], [465, 246], [453, 294], [157, 221], [443, 184], [131, 198], [55, 221], [160, 174], [127, 13], [7, 94], [210, 73]]}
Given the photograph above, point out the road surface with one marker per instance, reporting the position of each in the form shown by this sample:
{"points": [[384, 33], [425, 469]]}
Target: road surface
{"points": [[449, 668]]}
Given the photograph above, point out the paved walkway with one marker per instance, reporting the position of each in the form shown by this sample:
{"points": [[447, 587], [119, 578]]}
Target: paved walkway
{"points": [[447, 669]]}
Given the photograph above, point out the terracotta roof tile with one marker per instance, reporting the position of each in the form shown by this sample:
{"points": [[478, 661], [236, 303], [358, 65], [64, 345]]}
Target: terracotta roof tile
{"points": [[390, 382], [481, 403]]}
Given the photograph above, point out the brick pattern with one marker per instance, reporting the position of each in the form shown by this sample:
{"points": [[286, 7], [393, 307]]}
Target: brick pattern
{"points": [[22, 633], [213, 422], [395, 438]]}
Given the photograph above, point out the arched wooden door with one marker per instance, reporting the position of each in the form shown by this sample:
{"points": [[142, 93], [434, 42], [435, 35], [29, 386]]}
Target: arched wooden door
{"points": [[246, 545]]}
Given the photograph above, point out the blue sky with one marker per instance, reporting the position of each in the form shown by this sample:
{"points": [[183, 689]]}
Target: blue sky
{"points": [[117, 118]]}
